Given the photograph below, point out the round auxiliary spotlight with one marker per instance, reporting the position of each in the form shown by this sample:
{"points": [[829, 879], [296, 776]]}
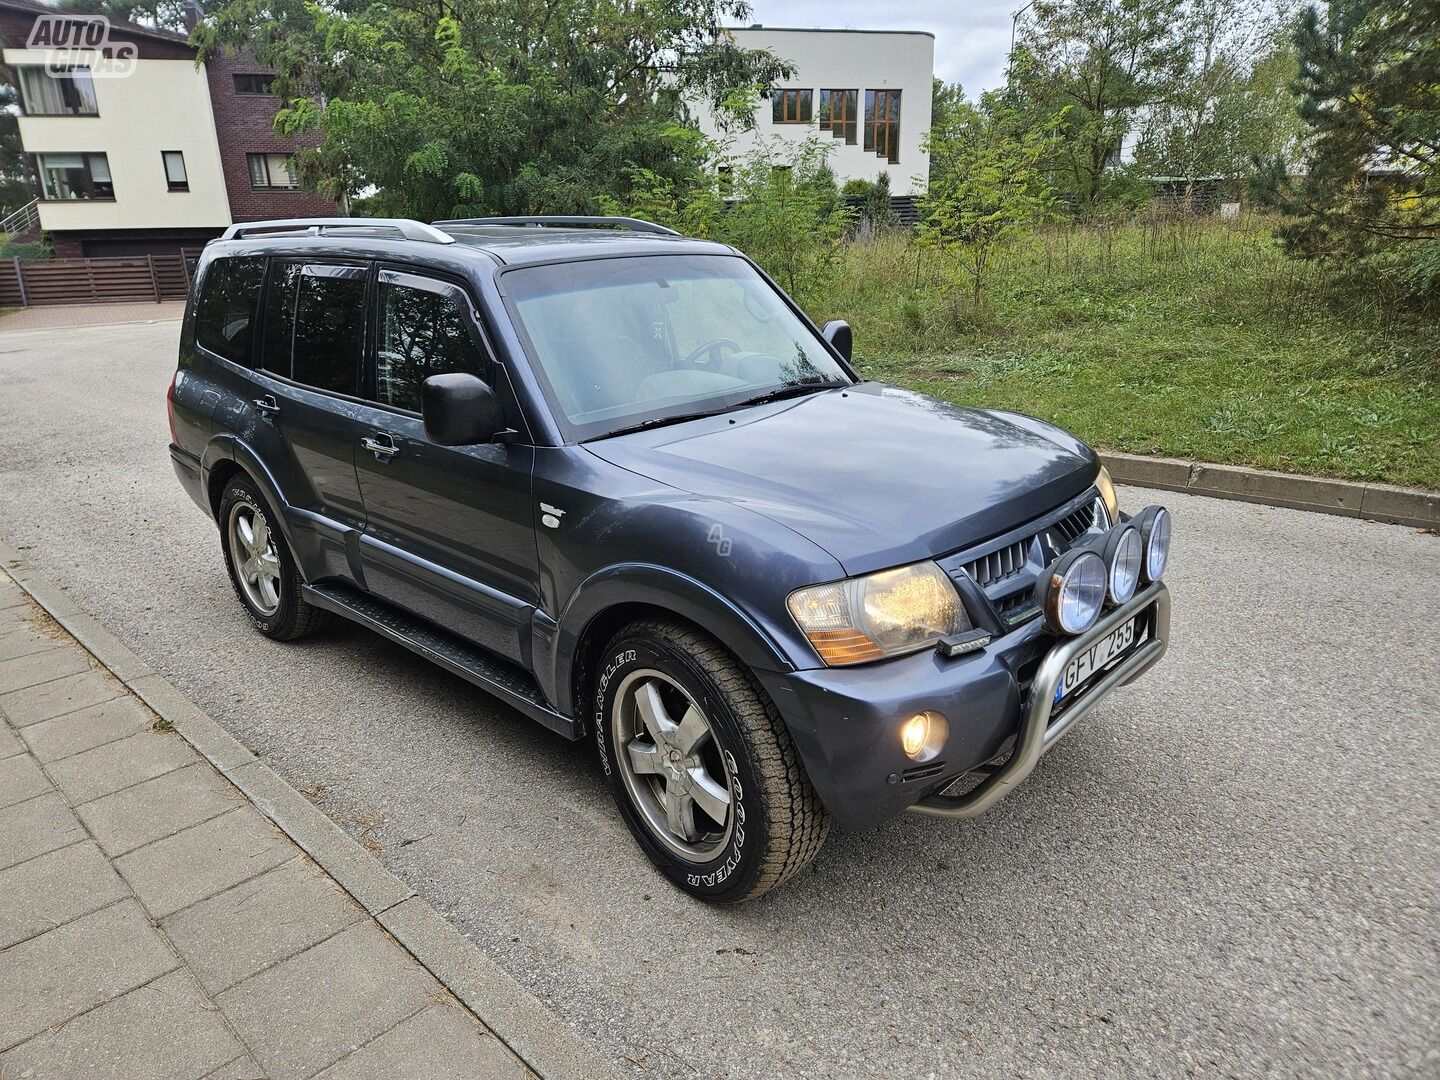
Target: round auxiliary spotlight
{"points": [[1072, 591], [1154, 525], [1123, 553]]}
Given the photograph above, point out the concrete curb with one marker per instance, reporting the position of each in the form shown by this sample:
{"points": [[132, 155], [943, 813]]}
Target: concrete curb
{"points": [[1345, 498], [529, 1027]]}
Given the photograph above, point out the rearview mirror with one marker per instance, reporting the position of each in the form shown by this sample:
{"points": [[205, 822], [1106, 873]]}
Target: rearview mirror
{"points": [[460, 410], [837, 333]]}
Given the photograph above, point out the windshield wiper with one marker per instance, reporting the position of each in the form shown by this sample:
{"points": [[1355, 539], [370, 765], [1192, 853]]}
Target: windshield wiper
{"points": [[653, 422], [793, 390]]}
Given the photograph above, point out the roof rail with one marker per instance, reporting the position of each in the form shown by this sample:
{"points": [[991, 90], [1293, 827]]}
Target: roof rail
{"points": [[539, 220], [410, 230]]}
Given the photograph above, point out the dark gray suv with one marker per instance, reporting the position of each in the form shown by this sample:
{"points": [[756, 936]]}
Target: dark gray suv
{"points": [[615, 477]]}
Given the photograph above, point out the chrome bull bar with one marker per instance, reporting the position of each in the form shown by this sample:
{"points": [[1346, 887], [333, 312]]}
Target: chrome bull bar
{"points": [[1037, 734]]}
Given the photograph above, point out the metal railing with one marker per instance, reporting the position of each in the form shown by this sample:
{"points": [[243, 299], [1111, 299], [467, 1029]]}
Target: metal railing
{"points": [[1037, 733], [23, 220]]}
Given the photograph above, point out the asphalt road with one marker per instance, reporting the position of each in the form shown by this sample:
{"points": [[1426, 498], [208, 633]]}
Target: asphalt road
{"points": [[1229, 869]]}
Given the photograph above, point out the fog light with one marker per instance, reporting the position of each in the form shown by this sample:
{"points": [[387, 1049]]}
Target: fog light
{"points": [[923, 735], [1072, 591], [1123, 551]]}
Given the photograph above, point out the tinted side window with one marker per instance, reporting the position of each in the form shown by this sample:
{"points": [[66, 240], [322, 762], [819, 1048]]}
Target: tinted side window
{"points": [[315, 325], [423, 332], [279, 337], [225, 314]]}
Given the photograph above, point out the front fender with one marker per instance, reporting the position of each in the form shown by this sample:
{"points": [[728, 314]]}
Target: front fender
{"points": [[656, 587]]}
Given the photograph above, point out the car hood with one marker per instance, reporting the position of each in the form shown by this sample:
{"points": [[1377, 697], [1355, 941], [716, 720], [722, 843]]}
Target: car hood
{"points": [[874, 475]]}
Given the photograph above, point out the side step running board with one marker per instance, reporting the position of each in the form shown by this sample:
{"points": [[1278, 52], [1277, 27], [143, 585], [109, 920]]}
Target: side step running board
{"points": [[508, 682]]}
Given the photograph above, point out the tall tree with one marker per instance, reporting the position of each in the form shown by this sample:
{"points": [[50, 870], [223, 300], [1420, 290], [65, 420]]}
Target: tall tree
{"points": [[1094, 63], [1231, 101], [16, 185], [463, 107], [946, 102], [161, 14], [1369, 89]]}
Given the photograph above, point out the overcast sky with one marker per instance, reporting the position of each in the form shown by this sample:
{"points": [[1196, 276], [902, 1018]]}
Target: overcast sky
{"points": [[971, 36]]}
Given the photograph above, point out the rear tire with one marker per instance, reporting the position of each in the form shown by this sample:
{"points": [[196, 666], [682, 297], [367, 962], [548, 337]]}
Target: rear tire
{"points": [[701, 742], [261, 567]]}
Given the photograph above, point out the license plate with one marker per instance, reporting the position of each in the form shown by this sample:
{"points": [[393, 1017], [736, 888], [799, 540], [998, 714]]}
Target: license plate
{"points": [[1094, 658]]}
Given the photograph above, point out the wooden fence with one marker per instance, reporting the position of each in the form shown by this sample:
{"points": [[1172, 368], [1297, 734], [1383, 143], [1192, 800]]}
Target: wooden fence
{"points": [[97, 281]]}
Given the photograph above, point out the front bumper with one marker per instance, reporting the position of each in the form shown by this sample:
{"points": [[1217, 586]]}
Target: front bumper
{"points": [[1041, 727], [845, 720]]}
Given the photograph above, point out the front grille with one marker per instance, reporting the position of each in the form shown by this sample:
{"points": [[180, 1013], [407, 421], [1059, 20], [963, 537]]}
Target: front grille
{"points": [[998, 565], [1072, 526], [1007, 567]]}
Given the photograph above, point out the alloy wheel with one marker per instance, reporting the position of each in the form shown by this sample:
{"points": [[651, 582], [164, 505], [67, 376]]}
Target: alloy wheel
{"points": [[256, 561], [673, 766]]}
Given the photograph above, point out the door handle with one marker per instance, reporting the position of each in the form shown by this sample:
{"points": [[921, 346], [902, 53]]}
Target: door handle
{"points": [[386, 449], [267, 404]]}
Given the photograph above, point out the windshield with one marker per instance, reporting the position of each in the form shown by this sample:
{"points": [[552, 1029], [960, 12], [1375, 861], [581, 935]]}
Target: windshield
{"points": [[626, 341]]}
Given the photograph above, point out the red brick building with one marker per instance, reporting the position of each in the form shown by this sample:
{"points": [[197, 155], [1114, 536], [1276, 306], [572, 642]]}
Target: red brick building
{"points": [[244, 112]]}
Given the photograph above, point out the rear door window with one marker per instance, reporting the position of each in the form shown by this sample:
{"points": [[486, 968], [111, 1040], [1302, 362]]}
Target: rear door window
{"points": [[225, 314], [315, 325], [424, 330]]}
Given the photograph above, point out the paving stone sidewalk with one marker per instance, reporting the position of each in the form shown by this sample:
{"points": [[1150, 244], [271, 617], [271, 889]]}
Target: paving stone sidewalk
{"points": [[154, 924], [64, 316]]}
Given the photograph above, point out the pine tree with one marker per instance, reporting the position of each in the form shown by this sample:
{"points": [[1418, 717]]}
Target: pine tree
{"points": [[1369, 96]]}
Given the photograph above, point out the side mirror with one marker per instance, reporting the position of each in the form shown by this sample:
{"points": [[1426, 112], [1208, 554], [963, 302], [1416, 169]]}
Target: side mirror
{"points": [[460, 410], [837, 333]]}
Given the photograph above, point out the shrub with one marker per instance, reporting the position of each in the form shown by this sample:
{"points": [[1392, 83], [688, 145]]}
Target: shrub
{"points": [[34, 252]]}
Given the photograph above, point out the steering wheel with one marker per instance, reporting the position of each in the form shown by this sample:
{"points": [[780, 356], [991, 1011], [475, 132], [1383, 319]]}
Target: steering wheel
{"points": [[712, 347]]}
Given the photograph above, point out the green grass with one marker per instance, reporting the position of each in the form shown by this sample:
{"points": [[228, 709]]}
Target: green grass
{"points": [[1195, 339]]}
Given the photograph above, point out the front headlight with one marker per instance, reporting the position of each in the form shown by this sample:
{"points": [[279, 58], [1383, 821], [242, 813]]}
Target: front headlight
{"points": [[879, 615], [1106, 487]]}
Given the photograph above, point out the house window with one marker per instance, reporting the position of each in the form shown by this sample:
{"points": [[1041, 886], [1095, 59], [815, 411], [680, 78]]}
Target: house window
{"points": [[839, 113], [791, 106], [882, 123], [273, 171], [175, 177], [48, 92], [74, 176], [254, 84]]}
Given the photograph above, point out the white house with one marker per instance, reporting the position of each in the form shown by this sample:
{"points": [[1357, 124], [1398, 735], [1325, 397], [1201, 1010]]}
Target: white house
{"points": [[125, 153], [869, 90]]}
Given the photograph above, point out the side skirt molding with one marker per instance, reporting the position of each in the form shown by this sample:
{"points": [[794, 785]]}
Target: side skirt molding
{"points": [[511, 684]]}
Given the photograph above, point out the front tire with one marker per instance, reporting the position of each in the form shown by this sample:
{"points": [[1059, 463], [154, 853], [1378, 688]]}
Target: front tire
{"points": [[261, 567], [701, 765]]}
